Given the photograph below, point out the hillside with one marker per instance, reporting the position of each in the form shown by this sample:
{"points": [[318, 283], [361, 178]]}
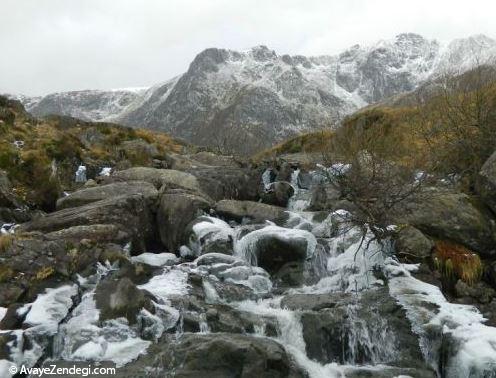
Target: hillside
{"points": [[41, 156]]}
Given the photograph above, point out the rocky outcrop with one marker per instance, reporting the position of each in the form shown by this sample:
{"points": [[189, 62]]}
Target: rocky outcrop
{"points": [[130, 214], [227, 182], [278, 193], [249, 210], [120, 298], [451, 215], [222, 355], [413, 246], [176, 210], [157, 177], [98, 193], [324, 197], [487, 182], [332, 324]]}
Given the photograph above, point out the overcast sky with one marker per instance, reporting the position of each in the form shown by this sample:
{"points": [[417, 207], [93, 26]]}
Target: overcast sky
{"points": [[58, 45]]}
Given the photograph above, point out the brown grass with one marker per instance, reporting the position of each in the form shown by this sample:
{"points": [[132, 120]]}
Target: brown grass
{"points": [[5, 242], [456, 261]]}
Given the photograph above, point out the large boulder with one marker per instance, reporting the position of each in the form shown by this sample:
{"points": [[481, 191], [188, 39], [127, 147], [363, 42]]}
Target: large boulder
{"points": [[487, 182], [120, 298], [97, 193], [130, 214], [228, 182], [177, 209], [451, 215], [95, 233], [158, 177], [272, 247], [357, 329], [218, 355], [278, 193], [325, 196], [208, 234], [35, 261], [412, 245], [249, 210]]}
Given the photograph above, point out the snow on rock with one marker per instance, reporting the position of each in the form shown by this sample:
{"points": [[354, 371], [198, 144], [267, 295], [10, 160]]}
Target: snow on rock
{"points": [[155, 259]]}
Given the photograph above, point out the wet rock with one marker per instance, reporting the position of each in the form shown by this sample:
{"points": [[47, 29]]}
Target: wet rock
{"points": [[272, 247], [366, 328], [487, 182], [120, 298], [291, 274], [284, 172], [278, 194], [304, 180], [412, 245], [130, 214], [248, 210], [223, 318], [210, 235], [388, 372], [219, 355], [93, 194], [313, 302], [215, 258], [12, 319], [480, 292], [177, 209], [324, 197]]}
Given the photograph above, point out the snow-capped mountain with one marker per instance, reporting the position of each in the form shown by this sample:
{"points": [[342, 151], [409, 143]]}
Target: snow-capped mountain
{"points": [[88, 105], [248, 100]]}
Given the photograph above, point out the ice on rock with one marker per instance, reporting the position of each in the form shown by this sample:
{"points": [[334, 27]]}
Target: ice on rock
{"points": [[82, 338], [209, 230], [474, 351], [49, 309], [105, 171], [232, 270], [3, 312], [155, 259], [171, 282], [81, 174], [5, 365], [247, 249]]}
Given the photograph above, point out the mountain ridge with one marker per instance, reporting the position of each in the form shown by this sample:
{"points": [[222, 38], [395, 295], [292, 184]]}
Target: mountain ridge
{"points": [[245, 101]]}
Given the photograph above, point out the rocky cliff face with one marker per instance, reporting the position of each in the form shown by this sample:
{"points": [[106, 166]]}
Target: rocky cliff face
{"points": [[246, 101]]}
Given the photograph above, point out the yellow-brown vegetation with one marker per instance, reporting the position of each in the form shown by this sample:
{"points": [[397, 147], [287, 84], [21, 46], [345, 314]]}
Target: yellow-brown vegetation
{"points": [[455, 261]]}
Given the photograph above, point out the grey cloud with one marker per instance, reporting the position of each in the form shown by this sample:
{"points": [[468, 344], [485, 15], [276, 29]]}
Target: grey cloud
{"points": [[57, 45]]}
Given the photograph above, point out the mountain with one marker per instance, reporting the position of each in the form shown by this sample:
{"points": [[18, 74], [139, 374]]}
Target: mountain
{"points": [[88, 105], [246, 101]]}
